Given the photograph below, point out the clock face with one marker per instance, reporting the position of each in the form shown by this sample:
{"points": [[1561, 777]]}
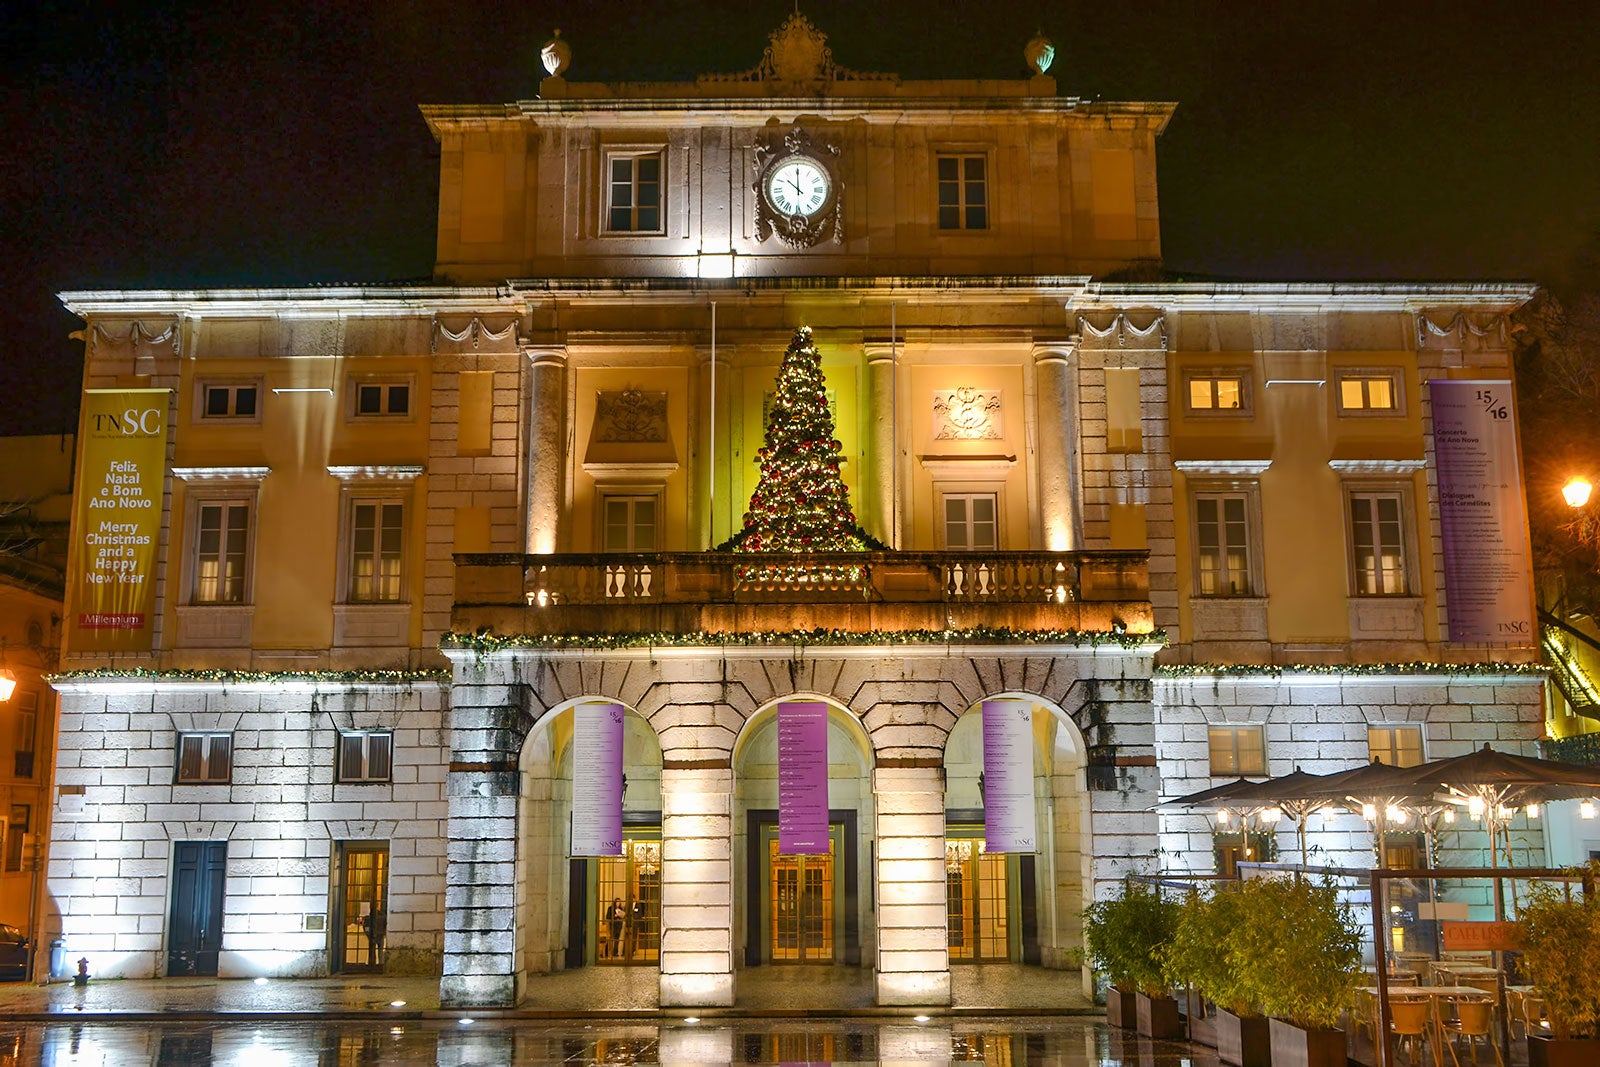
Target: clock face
{"points": [[798, 187]]}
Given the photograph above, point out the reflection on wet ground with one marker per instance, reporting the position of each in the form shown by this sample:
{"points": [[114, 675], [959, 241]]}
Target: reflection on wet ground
{"points": [[1066, 1042]]}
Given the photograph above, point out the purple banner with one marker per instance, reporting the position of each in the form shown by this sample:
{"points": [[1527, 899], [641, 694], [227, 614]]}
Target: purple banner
{"points": [[1488, 590], [1008, 815], [803, 778], [597, 780]]}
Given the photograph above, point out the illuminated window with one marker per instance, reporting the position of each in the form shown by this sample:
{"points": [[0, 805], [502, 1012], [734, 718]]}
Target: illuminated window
{"points": [[633, 197], [205, 759], [963, 192], [1217, 393], [1377, 543], [373, 399], [1368, 392], [629, 523], [365, 756], [1223, 564], [1238, 750], [16, 834], [221, 549], [233, 401], [27, 703], [1398, 746], [971, 522], [377, 535]]}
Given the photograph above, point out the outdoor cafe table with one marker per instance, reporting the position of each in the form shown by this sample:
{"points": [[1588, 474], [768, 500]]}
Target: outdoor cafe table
{"points": [[1464, 972], [1432, 993]]}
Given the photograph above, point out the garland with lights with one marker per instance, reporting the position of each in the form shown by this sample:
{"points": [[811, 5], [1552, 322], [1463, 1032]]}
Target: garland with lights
{"points": [[230, 677], [485, 642], [1274, 670]]}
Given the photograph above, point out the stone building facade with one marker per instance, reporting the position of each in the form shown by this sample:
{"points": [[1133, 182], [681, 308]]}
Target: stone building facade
{"points": [[460, 510]]}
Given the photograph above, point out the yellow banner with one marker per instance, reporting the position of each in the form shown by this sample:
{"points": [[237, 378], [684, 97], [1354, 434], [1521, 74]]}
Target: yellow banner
{"points": [[117, 528]]}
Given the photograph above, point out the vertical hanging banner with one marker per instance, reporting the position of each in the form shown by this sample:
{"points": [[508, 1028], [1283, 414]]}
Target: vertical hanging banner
{"points": [[1486, 560], [597, 780], [803, 778], [117, 528], [1008, 816]]}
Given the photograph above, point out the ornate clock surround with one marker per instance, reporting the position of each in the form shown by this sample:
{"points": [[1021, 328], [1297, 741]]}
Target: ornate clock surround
{"points": [[798, 231]]}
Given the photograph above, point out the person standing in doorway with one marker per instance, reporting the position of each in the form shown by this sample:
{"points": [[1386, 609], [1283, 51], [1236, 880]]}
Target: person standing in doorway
{"points": [[615, 916]]}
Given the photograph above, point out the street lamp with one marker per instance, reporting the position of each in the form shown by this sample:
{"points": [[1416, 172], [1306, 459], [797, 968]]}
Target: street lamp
{"points": [[1576, 492]]}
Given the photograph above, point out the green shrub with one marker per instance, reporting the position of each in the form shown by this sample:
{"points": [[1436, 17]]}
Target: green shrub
{"points": [[1560, 940], [1297, 951], [1126, 935], [1204, 951]]}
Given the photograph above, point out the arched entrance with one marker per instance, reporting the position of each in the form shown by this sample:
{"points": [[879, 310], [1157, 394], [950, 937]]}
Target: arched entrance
{"points": [[810, 909]]}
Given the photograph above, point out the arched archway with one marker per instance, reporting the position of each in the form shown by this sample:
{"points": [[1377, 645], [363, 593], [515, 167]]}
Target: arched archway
{"points": [[803, 909]]}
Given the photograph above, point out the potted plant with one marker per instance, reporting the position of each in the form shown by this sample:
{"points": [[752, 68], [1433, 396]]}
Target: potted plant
{"points": [[1205, 953], [1125, 935], [1298, 952], [1559, 933]]}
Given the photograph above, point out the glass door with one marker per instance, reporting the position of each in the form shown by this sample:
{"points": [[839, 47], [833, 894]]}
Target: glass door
{"points": [[363, 907], [800, 912], [628, 891], [977, 898]]}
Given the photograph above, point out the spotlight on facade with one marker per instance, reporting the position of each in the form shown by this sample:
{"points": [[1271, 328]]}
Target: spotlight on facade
{"points": [[1475, 807], [1533, 811], [1369, 812], [1396, 814], [920, 1018], [1449, 816], [1222, 816], [8, 683], [1576, 492], [466, 1021], [691, 1019], [397, 1003], [1586, 810]]}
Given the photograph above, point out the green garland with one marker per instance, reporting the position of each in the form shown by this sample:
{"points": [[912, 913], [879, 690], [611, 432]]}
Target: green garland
{"points": [[1274, 670], [230, 677], [484, 642]]}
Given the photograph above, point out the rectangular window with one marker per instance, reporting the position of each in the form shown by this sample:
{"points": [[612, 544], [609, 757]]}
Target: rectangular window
{"points": [[971, 522], [17, 829], [205, 759], [963, 192], [1398, 746], [1226, 393], [377, 530], [377, 400], [365, 756], [633, 204], [27, 732], [1238, 750], [629, 523], [222, 539], [1377, 541], [229, 401], [1374, 392], [1222, 545]]}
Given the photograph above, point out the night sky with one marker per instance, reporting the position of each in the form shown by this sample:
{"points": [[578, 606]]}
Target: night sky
{"points": [[222, 144]]}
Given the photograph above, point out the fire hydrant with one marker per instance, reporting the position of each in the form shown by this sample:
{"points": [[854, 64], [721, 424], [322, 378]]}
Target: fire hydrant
{"points": [[83, 972]]}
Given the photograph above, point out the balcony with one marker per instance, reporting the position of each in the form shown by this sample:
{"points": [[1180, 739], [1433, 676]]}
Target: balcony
{"points": [[726, 593]]}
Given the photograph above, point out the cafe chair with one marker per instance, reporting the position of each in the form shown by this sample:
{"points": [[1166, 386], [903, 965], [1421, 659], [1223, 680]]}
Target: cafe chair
{"points": [[1474, 1021], [1470, 959], [1530, 1013], [1409, 1023], [1406, 978]]}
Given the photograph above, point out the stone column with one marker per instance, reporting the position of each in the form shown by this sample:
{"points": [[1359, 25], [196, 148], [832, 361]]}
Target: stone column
{"points": [[487, 726], [547, 446], [882, 449], [696, 883], [913, 921], [1053, 410]]}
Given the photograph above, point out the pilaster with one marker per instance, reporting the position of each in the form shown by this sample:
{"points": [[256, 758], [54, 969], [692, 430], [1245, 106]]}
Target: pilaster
{"points": [[547, 446], [913, 923], [696, 883]]}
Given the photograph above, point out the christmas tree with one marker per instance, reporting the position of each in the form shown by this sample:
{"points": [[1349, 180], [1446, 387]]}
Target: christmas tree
{"points": [[801, 504]]}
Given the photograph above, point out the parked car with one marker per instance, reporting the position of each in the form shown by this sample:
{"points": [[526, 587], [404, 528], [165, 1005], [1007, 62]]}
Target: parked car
{"points": [[13, 954]]}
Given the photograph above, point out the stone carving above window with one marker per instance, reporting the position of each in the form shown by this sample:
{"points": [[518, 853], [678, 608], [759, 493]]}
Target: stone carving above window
{"points": [[966, 414], [630, 416]]}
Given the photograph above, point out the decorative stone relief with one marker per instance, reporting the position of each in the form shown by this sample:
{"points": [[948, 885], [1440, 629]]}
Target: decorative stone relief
{"points": [[966, 414], [631, 416], [1460, 332], [1121, 332]]}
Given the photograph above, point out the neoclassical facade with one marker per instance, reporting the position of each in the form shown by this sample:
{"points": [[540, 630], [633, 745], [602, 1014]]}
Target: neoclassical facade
{"points": [[404, 531]]}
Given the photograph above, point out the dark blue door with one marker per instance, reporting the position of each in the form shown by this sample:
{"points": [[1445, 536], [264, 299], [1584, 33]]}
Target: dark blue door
{"points": [[199, 870]]}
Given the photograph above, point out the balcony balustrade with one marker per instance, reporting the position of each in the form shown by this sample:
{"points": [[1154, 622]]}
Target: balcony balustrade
{"points": [[723, 592]]}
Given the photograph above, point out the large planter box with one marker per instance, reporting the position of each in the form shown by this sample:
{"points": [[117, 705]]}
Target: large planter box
{"points": [[1557, 1052], [1294, 1047], [1243, 1040], [1200, 1018], [1121, 1011], [1158, 1017]]}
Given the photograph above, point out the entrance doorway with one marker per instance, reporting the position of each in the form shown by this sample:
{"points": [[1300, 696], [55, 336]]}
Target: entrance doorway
{"points": [[363, 908], [800, 906], [802, 909], [628, 895], [199, 876], [978, 899]]}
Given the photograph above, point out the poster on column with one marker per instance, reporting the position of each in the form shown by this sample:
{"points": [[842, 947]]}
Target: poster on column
{"points": [[1008, 816], [1488, 591], [597, 780], [117, 528], [803, 778]]}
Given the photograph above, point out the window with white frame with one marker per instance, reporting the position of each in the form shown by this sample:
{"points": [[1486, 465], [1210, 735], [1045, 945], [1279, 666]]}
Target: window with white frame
{"points": [[1238, 750], [1224, 564], [963, 191], [1378, 542], [971, 522], [629, 522], [221, 551], [1224, 392], [233, 401], [633, 192], [378, 398], [365, 755], [1368, 392], [377, 543], [1397, 746], [205, 758]]}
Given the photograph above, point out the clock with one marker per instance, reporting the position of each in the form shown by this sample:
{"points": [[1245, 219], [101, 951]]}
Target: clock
{"points": [[798, 186]]}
